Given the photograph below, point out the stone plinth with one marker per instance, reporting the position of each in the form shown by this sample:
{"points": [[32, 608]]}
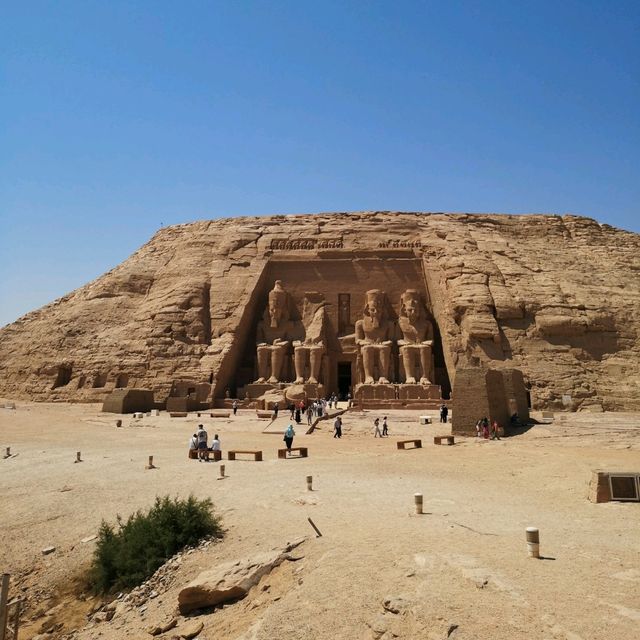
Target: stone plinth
{"points": [[419, 392], [365, 392]]}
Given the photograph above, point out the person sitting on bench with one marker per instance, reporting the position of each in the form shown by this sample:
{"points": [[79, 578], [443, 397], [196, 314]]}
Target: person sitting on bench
{"points": [[193, 445], [215, 444]]}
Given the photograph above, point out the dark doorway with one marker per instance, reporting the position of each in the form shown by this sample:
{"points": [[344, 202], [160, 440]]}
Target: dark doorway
{"points": [[344, 379]]}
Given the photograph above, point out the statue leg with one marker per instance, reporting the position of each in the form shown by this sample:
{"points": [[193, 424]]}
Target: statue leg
{"points": [[408, 361], [315, 360], [368, 354], [384, 353], [277, 357], [300, 360], [426, 362], [263, 364]]}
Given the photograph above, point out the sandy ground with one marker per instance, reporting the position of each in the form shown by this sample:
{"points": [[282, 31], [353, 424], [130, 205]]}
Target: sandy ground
{"points": [[463, 562]]}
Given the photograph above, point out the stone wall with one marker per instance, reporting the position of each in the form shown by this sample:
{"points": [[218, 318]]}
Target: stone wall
{"points": [[557, 297]]}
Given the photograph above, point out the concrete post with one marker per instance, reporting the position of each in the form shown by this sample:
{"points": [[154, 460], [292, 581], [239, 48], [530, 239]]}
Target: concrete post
{"points": [[222, 471], [533, 542], [150, 465], [417, 497], [78, 458], [309, 483], [8, 453]]}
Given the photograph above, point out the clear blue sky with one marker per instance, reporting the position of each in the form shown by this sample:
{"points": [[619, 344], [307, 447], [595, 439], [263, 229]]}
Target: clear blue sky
{"points": [[117, 117]]}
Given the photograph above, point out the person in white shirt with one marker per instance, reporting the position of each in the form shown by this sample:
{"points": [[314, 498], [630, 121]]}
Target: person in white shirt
{"points": [[193, 446], [215, 443], [202, 443]]}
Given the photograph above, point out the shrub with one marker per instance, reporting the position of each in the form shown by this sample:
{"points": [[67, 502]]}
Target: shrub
{"points": [[130, 552]]}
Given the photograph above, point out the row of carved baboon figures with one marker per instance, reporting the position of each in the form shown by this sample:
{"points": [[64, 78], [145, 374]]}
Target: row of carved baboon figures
{"points": [[375, 336]]}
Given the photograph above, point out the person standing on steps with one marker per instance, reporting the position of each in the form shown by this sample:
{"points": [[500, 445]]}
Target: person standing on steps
{"points": [[235, 407], [288, 436]]}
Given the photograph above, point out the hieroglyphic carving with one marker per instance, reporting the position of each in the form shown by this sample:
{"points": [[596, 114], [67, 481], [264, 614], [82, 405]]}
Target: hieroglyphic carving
{"points": [[304, 244], [400, 244]]}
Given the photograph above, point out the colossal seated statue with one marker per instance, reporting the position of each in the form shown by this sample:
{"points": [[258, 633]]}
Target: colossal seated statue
{"points": [[275, 333], [308, 352], [374, 334], [416, 345]]}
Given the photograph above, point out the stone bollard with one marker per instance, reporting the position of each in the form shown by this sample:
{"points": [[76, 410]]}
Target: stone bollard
{"points": [[78, 458], [417, 497], [222, 471], [118, 423], [533, 542], [150, 465], [156, 412], [309, 483], [8, 453]]}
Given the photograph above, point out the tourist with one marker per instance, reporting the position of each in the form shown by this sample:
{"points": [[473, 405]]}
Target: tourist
{"points": [[349, 400], [485, 428], [495, 430], [202, 443], [297, 413], [335, 401], [444, 412], [215, 444], [385, 428], [479, 428], [276, 408], [330, 402], [376, 430], [309, 416], [235, 407], [193, 446], [288, 436], [337, 428], [292, 410]]}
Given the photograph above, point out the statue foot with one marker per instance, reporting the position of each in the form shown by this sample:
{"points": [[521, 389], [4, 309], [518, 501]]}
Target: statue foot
{"points": [[368, 380], [383, 381], [411, 380], [260, 381], [298, 381], [312, 380], [273, 380], [425, 381]]}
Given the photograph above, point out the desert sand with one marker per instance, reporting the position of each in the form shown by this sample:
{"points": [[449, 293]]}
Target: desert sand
{"points": [[460, 570]]}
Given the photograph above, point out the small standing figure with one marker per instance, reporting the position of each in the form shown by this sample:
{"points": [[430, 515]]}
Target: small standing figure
{"points": [[297, 415], [276, 408], [376, 428], [444, 412], [288, 436], [309, 415], [385, 427], [485, 428], [337, 427], [330, 402], [202, 443], [235, 407], [292, 410], [349, 400], [193, 446], [495, 430], [479, 428]]}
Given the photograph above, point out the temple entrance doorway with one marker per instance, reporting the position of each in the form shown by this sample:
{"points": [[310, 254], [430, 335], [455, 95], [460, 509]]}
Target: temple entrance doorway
{"points": [[344, 379]]}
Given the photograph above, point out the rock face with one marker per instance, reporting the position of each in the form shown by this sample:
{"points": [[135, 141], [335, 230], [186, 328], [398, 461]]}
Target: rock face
{"points": [[557, 297], [231, 580]]}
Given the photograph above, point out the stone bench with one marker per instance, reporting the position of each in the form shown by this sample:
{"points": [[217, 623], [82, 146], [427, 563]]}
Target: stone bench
{"points": [[217, 455], [449, 440], [264, 415], [303, 452], [178, 414], [257, 455], [425, 419], [402, 444], [215, 414]]}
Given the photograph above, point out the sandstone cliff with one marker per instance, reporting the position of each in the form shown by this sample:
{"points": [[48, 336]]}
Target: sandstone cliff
{"points": [[556, 296]]}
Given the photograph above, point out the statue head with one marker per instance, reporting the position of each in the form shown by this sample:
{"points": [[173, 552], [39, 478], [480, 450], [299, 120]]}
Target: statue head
{"points": [[411, 306], [277, 309], [374, 306]]}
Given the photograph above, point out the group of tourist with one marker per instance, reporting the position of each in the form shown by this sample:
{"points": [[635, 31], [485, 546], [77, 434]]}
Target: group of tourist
{"points": [[199, 444], [487, 429], [376, 428]]}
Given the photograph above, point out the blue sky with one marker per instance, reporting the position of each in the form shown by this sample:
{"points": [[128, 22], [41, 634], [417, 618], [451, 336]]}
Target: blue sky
{"points": [[117, 117]]}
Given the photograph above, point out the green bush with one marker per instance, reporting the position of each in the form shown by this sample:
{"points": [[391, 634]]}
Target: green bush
{"points": [[129, 553]]}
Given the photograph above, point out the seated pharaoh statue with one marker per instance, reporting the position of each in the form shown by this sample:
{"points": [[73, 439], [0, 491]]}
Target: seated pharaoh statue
{"points": [[275, 333], [374, 335], [308, 352], [416, 345]]}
